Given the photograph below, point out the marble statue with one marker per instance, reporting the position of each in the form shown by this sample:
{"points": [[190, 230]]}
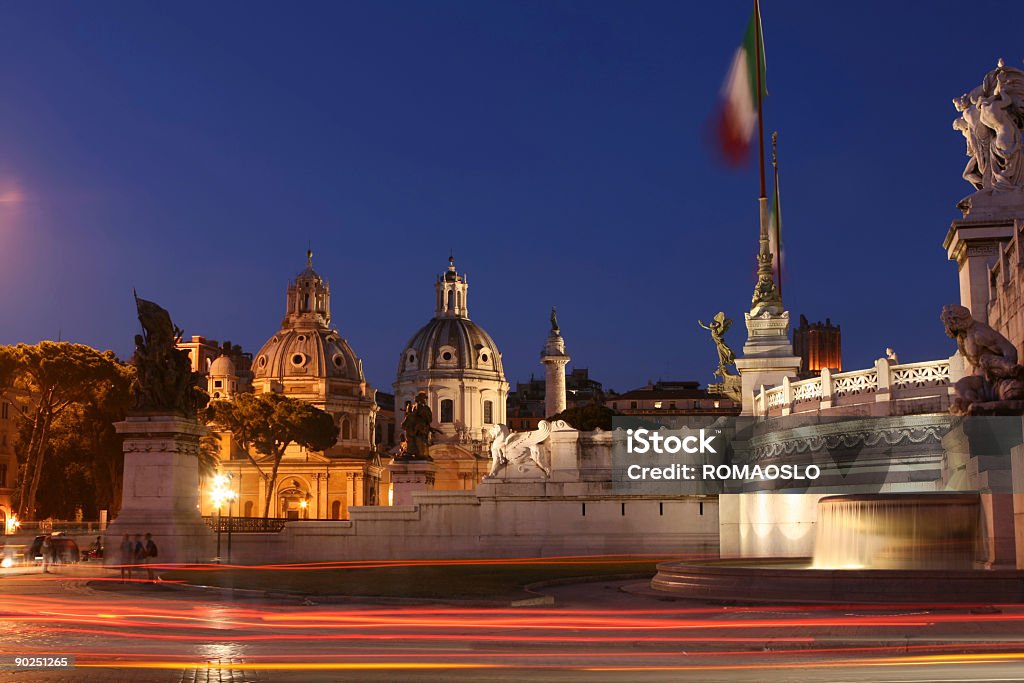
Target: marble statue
{"points": [[991, 119], [518, 449], [164, 380], [554, 320], [417, 427], [996, 383], [718, 327]]}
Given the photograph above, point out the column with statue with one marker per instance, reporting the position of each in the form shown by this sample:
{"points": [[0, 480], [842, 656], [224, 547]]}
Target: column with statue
{"points": [[161, 433]]}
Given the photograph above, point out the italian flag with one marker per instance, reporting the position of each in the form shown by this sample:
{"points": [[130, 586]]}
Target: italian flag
{"points": [[738, 114]]}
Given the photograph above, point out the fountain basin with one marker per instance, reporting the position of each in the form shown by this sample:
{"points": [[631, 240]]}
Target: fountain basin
{"points": [[898, 531], [794, 580]]}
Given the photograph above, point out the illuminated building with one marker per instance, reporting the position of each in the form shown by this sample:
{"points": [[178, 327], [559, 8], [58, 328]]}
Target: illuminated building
{"points": [[457, 364], [309, 360], [671, 398], [819, 346]]}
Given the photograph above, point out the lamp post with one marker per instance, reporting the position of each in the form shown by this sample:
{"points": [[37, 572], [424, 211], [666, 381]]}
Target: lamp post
{"points": [[231, 495], [218, 494]]}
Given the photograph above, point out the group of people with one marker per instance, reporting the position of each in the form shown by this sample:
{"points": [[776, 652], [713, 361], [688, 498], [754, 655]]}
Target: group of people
{"points": [[136, 552]]}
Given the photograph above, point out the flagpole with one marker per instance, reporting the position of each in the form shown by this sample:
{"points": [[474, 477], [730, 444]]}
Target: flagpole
{"points": [[778, 213], [762, 200], [760, 121]]}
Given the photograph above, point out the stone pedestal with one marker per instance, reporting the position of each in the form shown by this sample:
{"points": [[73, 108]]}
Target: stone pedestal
{"points": [[978, 458], [1017, 464], [409, 476], [161, 489], [974, 245], [767, 356]]}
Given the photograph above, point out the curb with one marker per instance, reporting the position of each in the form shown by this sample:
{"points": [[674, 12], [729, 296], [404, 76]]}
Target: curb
{"points": [[537, 599]]}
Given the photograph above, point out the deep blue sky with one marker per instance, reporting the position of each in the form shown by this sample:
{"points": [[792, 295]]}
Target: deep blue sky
{"points": [[191, 150]]}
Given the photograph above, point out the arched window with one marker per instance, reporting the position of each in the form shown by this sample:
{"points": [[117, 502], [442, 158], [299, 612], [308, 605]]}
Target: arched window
{"points": [[248, 509], [447, 411], [451, 300], [346, 429], [488, 412], [336, 510]]}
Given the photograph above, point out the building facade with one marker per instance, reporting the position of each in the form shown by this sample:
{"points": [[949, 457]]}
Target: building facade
{"points": [[458, 366], [819, 345], [306, 359], [663, 398]]}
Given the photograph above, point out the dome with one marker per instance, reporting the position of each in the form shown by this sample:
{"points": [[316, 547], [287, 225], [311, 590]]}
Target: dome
{"points": [[222, 367], [314, 352], [450, 344]]}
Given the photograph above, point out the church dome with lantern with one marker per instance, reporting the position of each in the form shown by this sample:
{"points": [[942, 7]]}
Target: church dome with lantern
{"points": [[456, 362], [310, 360]]}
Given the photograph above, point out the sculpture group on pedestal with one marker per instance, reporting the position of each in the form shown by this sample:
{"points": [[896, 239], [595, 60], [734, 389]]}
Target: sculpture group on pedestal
{"points": [[164, 380], [518, 449], [417, 430], [996, 383], [991, 120]]}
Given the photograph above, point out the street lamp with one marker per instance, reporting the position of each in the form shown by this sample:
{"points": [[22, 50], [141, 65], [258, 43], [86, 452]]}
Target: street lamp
{"points": [[219, 493]]}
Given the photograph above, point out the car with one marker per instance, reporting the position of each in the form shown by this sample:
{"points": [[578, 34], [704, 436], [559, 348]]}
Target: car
{"points": [[65, 550]]}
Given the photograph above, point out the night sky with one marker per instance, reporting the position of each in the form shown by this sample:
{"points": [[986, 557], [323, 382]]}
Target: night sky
{"points": [[561, 150]]}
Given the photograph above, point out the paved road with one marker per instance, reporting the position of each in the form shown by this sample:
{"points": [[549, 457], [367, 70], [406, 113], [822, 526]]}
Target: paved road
{"points": [[595, 632]]}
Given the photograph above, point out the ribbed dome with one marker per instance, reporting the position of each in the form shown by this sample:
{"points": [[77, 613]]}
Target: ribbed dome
{"points": [[222, 367], [307, 352], [450, 344]]}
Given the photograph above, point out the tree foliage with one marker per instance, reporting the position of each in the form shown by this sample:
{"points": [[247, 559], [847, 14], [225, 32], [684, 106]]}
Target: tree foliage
{"points": [[60, 381], [588, 418], [268, 424]]}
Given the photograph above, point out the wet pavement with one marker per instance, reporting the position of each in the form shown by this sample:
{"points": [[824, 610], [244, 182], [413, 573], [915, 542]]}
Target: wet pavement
{"points": [[145, 632]]}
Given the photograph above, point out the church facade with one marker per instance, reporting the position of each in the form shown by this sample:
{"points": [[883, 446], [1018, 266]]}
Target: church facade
{"points": [[457, 364], [309, 360]]}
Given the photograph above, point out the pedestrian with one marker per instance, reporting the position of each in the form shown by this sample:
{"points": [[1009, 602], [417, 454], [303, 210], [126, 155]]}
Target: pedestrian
{"points": [[138, 551], [127, 558], [46, 550], [151, 552]]}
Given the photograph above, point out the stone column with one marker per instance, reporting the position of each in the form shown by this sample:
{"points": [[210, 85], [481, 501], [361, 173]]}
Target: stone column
{"points": [[974, 245], [408, 476], [161, 488], [554, 359]]}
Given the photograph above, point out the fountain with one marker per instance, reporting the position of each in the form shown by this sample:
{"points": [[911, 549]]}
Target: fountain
{"points": [[897, 531], [870, 548]]}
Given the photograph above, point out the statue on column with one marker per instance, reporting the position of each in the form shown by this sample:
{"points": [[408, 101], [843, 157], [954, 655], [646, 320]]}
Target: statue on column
{"points": [[164, 380], [417, 426], [996, 383], [991, 120]]}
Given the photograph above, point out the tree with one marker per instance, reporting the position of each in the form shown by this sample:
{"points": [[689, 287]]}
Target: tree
{"points": [[49, 378], [84, 461], [587, 418], [269, 423]]}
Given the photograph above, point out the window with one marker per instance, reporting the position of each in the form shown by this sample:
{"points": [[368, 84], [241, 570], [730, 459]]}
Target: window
{"points": [[3, 410], [346, 429], [336, 510], [248, 508], [657, 404], [488, 412], [632, 405], [3, 475], [672, 405], [218, 383], [447, 411]]}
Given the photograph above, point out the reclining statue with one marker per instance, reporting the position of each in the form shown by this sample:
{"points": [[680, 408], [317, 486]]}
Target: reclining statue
{"points": [[996, 383]]}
